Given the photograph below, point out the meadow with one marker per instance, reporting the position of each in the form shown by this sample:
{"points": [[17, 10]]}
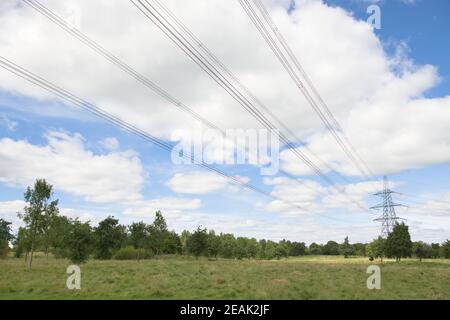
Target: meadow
{"points": [[178, 277]]}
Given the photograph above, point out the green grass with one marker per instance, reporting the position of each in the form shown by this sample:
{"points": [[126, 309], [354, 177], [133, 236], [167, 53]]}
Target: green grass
{"points": [[187, 278]]}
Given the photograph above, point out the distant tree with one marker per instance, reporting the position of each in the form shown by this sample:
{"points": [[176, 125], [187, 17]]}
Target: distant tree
{"points": [[398, 243], [173, 243], [346, 249], [22, 243], [360, 249], [158, 234], [185, 234], [5, 237], [60, 226], [297, 249], [227, 245], [197, 244], [213, 247], [271, 250], [79, 241], [445, 250], [435, 250], [38, 213], [261, 249], [240, 251], [376, 248], [331, 248], [138, 236], [252, 248], [315, 249], [422, 250], [109, 236], [281, 251]]}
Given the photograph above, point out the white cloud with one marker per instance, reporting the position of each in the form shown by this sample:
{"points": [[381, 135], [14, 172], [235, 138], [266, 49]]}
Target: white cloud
{"points": [[202, 182], [378, 99], [9, 124], [110, 144], [66, 163], [169, 205]]}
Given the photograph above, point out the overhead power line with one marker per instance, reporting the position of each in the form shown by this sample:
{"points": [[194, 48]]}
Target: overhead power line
{"points": [[192, 50], [85, 105], [265, 26], [53, 17]]}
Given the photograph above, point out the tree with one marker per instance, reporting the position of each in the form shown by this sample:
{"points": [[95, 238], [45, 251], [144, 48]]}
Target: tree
{"points": [[227, 245], [422, 250], [185, 234], [252, 248], [197, 244], [172, 243], [435, 250], [346, 249], [60, 226], [315, 249], [297, 249], [39, 212], [158, 233], [281, 251], [271, 250], [79, 241], [5, 237], [213, 244], [398, 242], [360, 249], [262, 249], [331, 248], [376, 249], [445, 250], [22, 243], [138, 236], [109, 237]]}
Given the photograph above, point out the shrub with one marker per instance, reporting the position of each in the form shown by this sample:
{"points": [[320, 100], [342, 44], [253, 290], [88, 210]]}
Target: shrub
{"points": [[131, 253]]}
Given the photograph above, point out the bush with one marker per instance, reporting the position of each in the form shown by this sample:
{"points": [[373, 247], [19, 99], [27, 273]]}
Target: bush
{"points": [[131, 253]]}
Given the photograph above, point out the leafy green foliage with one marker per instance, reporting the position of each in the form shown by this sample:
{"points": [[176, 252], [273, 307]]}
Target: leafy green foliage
{"points": [[109, 237], [445, 249], [398, 243], [331, 248], [315, 249], [5, 236], [38, 214], [79, 241], [197, 243], [376, 249], [346, 249]]}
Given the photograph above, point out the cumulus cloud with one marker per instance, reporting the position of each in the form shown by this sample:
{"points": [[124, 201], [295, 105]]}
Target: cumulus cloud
{"points": [[9, 124], [68, 164], [378, 99], [202, 182], [170, 205], [110, 143]]}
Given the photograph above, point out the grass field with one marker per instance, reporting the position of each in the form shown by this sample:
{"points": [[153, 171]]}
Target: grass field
{"points": [[187, 278]]}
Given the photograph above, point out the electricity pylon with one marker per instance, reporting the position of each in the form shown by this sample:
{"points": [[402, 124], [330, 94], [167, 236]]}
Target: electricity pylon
{"points": [[389, 217]]}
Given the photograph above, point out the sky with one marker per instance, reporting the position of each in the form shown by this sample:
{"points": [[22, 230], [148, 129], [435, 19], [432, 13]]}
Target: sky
{"points": [[388, 88]]}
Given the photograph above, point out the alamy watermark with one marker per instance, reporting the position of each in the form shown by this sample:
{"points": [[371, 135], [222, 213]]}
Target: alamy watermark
{"points": [[374, 280], [74, 280], [259, 147], [375, 16]]}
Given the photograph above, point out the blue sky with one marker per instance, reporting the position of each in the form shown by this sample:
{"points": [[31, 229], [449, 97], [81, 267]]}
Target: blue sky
{"points": [[31, 120]]}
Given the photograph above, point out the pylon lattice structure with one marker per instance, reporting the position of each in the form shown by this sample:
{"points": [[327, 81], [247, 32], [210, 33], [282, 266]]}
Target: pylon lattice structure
{"points": [[388, 218]]}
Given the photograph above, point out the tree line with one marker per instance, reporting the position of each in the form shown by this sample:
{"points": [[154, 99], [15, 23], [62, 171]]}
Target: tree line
{"points": [[47, 231]]}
